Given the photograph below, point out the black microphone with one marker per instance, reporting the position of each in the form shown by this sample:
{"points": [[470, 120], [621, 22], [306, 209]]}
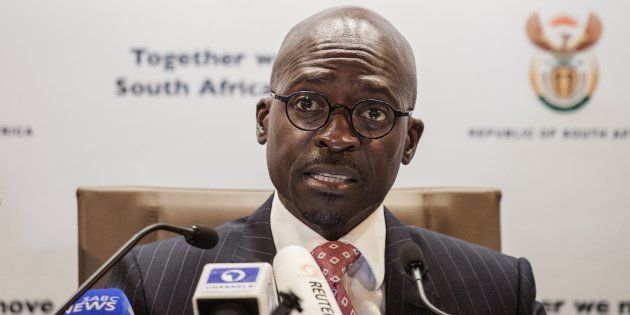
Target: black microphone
{"points": [[198, 236], [411, 260], [288, 302]]}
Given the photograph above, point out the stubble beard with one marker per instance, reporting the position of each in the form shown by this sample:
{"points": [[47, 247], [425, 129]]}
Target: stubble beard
{"points": [[324, 219]]}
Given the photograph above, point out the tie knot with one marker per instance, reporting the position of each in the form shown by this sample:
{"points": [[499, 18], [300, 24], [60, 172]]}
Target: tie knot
{"points": [[334, 258]]}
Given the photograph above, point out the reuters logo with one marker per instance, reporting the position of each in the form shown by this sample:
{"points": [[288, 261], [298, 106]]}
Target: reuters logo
{"points": [[564, 71]]}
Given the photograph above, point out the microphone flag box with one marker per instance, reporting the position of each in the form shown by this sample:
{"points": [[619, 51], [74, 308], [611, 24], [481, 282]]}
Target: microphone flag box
{"points": [[246, 286], [101, 302]]}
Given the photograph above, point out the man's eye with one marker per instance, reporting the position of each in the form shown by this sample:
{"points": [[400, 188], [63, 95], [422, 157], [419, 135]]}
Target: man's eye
{"points": [[375, 113], [307, 104]]}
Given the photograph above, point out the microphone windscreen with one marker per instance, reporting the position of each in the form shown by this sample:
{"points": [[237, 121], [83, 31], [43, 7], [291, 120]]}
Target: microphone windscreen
{"points": [[296, 271], [410, 255], [204, 237], [102, 301]]}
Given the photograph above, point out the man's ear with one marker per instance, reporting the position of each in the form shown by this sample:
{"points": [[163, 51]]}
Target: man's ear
{"points": [[415, 127], [262, 111]]}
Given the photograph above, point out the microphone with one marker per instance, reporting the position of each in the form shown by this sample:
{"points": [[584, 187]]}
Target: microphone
{"points": [[102, 301], [198, 236], [235, 288], [296, 271], [410, 257]]}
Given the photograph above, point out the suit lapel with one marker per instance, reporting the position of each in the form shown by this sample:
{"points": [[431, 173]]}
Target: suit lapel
{"points": [[401, 292], [256, 242]]}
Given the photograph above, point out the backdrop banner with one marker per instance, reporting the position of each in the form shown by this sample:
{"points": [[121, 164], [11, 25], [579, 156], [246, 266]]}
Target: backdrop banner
{"points": [[530, 97]]}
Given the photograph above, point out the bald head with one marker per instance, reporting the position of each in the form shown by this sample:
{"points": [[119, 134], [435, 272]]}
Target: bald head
{"points": [[349, 32]]}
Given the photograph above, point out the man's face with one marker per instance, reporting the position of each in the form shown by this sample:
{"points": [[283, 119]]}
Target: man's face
{"points": [[333, 178]]}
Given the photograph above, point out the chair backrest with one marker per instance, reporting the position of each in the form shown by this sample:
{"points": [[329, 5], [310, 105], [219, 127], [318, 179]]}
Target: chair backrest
{"points": [[109, 216]]}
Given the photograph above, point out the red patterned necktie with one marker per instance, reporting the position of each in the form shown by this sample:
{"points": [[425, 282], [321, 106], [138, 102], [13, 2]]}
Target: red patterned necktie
{"points": [[334, 258]]}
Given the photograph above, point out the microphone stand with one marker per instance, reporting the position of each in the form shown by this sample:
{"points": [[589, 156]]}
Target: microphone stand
{"points": [[189, 233], [411, 260], [417, 275]]}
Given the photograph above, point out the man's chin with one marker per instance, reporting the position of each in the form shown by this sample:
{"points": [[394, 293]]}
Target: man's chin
{"points": [[328, 200], [311, 201], [327, 209], [324, 219]]}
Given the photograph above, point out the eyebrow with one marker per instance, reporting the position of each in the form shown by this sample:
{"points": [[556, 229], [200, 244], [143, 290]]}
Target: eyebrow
{"points": [[323, 77], [377, 88], [313, 78]]}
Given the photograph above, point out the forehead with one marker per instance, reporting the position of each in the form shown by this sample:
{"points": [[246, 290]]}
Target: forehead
{"points": [[344, 51]]}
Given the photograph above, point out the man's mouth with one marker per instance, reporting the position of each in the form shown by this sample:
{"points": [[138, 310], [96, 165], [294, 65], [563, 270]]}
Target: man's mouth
{"points": [[331, 178]]}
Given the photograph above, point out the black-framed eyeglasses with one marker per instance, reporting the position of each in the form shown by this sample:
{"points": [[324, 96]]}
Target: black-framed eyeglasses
{"points": [[369, 118]]}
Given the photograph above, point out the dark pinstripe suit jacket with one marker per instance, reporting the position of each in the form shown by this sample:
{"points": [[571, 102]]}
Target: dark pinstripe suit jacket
{"points": [[462, 278]]}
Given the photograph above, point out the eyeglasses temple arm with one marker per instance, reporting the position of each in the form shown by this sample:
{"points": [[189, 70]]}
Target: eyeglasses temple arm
{"points": [[401, 113], [281, 98]]}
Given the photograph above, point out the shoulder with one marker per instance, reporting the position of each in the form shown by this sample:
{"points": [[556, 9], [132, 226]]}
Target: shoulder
{"points": [[485, 275], [162, 275], [230, 234], [443, 246], [162, 251]]}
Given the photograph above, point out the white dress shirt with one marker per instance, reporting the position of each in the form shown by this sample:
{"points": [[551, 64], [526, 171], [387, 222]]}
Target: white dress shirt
{"points": [[364, 280]]}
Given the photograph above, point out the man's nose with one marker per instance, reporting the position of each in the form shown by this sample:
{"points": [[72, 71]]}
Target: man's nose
{"points": [[337, 135]]}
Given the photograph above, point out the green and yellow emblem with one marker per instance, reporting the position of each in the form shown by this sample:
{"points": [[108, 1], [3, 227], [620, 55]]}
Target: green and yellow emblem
{"points": [[564, 72]]}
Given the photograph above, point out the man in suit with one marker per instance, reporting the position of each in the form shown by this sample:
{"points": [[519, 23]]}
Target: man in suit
{"points": [[337, 126]]}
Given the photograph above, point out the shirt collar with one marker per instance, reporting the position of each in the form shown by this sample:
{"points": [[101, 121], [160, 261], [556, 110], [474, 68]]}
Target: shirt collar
{"points": [[368, 237]]}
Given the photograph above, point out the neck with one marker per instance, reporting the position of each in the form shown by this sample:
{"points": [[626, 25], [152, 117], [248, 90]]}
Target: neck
{"points": [[331, 230]]}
